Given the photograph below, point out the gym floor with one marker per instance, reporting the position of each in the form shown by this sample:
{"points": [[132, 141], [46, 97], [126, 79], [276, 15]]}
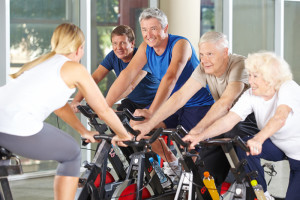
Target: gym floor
{"points": [[42, 188], [33, 188]]}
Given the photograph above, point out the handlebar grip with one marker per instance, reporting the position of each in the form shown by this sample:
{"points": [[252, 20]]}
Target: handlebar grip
{"points": [[178, 139], [104, 137], [87, 111], [130, 129], [181, 130], [155, 135], [131, 116], [83, 141], [238, 141], [140, 143]]}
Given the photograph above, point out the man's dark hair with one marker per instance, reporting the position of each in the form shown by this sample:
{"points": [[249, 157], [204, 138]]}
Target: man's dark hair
{"points": [[123, 30]]}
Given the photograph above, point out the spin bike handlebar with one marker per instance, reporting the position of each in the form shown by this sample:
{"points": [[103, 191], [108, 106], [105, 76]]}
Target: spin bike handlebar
{"points": [[101, 128], [107, 137], [128, 114], [210, 142], [89, 113], [144, 142], [133, 143]]}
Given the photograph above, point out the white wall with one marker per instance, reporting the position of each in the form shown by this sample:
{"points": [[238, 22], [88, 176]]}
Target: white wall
{"points": [[184, 18]]}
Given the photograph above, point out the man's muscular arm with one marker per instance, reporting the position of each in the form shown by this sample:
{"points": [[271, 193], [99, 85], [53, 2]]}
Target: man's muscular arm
{"points": [[181, 53], [221, 107]]}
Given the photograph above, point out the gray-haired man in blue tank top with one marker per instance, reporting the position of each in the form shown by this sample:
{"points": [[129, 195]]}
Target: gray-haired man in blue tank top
{"points": [[172, 59]]}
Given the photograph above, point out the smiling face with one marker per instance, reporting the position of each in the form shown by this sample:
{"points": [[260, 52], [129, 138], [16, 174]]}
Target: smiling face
{"points": [[153, 33], [122, 47], [260, 87], [213, 58]]}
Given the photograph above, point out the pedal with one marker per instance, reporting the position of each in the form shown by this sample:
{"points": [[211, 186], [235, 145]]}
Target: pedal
{"points": [[81, 182]]}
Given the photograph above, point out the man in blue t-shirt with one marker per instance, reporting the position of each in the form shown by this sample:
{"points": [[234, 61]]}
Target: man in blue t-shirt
{"points": [[141, 91], [172, 59]]}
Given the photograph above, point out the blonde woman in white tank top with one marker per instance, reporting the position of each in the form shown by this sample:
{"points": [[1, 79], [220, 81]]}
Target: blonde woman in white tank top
{"points": [[43, 86]]}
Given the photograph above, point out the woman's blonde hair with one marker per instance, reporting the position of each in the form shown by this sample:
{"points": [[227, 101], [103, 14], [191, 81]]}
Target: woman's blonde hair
{"points": [[273, 69], [66, 39]]}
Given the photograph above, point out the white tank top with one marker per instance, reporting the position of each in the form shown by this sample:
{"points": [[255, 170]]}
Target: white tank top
{"points": [[25, 102]]}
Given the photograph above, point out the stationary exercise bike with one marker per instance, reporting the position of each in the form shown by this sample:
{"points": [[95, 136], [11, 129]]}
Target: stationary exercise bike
{"points": [[240, 190], [10, 164], [92, 185], [141, 181], [194, 187]]}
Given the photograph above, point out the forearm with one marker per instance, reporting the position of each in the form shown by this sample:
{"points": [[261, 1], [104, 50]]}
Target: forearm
{"points": [[133, 84], [220, 126], [164, 91], [78, 97], [126, 93], [116, 91], [218, 110], [68, 116]]}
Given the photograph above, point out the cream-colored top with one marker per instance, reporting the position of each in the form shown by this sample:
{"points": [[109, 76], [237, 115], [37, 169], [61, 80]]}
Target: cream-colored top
{"points": [[235, 72]]}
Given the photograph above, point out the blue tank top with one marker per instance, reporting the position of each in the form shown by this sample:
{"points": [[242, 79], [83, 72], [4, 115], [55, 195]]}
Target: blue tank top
{"points": [[145, 91], [159, 66]]}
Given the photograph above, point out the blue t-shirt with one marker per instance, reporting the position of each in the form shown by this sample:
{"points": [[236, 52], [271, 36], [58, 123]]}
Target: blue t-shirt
{"points": [[160, 64], [145, 91]]}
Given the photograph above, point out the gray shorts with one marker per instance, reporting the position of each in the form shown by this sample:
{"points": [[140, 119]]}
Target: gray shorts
{"points": [[50, 143]]}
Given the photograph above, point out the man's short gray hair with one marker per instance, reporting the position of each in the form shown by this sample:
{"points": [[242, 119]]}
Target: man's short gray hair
{"points": [[154, 13], [215, 37]]}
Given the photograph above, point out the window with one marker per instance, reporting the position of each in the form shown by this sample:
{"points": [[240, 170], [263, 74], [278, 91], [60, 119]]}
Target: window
{"points": [[253, 26], [107, 15], [211, 16], [291, 38], [32, 25]]}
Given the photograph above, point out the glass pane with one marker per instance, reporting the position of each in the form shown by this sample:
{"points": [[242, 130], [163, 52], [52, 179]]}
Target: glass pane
{"points": [[253, 26], [28, 41], [108, 15], [291, 36], [211, 16], [107, 11], [41, 9]]}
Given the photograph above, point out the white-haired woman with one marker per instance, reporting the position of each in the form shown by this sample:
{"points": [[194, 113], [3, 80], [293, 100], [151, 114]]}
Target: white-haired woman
{"points": [[41, 87], [275, 100]]}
